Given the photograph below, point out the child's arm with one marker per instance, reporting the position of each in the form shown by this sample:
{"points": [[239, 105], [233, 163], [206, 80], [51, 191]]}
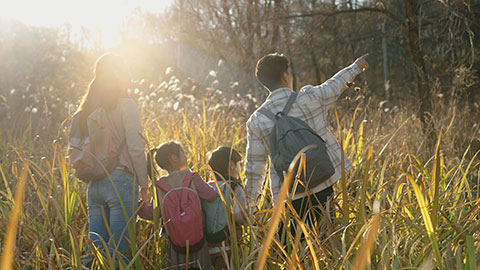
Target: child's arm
{"points": [[240, 205], [205, 192], [146, 210]]}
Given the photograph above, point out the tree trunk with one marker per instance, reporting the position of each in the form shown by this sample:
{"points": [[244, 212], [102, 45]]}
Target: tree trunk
{"points": [[423, 87], [316, 68], [386, 75], [276, 26], [311, 45], [334, 34], [288, 45], [292, 67]]}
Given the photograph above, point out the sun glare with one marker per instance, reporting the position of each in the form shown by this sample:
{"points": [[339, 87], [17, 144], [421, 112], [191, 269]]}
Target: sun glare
{"points": [[102, 18]]}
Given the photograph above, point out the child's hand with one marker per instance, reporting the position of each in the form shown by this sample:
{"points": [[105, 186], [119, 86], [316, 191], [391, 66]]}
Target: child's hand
{"points": [[143, 194]]}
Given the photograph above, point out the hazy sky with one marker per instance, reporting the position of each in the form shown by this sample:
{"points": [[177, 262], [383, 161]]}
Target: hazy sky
{"points": [[96, 15], [77, 12]]}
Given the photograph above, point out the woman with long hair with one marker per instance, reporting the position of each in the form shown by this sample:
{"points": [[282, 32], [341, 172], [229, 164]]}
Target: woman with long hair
{"points": [[113, 199]]}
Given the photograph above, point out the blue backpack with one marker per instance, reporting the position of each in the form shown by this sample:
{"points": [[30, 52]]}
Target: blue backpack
{"points": [[216, 227], [289, 136]]}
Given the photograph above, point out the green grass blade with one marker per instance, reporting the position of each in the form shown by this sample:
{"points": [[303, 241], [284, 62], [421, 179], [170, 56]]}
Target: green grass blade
{"points": [[436, 181], [471, 258], [428, 222]]}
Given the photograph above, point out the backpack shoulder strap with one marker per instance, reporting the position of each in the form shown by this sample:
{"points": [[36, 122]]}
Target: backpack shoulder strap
{"points": [[162, 185], [290, 102], [114, 118], [75, 136], [267, 113], [233, 184], [187, 180]]}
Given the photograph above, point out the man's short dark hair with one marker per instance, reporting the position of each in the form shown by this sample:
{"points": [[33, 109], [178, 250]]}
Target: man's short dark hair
{"points": [[270, 69]]}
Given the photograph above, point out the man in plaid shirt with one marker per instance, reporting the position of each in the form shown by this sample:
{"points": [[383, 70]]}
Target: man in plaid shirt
{"points": [[311, 105]]}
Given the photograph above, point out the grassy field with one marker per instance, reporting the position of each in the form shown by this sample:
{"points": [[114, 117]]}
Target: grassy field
{"points": [[405, 205]]}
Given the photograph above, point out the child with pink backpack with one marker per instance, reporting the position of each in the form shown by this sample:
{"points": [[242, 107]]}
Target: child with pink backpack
{"points": [[179, 194]]}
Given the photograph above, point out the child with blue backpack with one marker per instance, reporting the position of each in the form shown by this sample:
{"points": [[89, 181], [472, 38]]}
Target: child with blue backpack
{"points": [[179, 194], [225, 164]]}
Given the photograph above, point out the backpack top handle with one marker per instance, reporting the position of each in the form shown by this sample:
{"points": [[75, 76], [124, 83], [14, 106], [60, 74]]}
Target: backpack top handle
{"points": [[187, 180]]}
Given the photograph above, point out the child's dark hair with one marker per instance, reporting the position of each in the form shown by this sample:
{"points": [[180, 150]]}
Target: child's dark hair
{"points": [[161, 155], [219, 158]]}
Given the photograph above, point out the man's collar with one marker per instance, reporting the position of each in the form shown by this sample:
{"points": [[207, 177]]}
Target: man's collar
{"points": [[278, 91]]}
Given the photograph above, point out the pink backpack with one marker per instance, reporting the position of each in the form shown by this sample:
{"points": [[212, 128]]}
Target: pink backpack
{"points": [[182, 215], [94, 156]]}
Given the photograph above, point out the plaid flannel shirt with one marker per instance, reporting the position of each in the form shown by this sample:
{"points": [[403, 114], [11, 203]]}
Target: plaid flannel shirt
{"points": [[310, 106]]}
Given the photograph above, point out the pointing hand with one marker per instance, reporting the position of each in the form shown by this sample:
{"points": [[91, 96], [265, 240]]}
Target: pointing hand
{"points": [[362, 62]]}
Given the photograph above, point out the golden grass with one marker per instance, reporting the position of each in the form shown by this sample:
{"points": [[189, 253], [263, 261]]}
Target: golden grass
{"points": [[10, 237], [400, 206]]}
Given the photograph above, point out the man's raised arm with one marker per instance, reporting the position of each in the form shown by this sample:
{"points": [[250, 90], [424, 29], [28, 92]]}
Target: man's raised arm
{"points": [[329, 91]]}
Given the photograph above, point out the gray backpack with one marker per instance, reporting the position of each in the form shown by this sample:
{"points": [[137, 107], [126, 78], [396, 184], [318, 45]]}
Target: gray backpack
{"points": [[216, 225], [289, 135]]}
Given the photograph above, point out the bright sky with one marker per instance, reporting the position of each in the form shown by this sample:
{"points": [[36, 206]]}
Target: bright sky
{"points": [[96, 15]]}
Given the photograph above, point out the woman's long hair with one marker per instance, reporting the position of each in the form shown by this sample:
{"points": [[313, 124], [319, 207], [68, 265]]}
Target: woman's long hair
{"points": [[109, 84]]}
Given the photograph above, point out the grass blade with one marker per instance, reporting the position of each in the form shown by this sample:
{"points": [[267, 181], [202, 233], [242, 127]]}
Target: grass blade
{"points": [[427, 221], [436, 181], [277, 212], [343, 180], [471, 259], [9, 243], [362, 216], [363, 257]]}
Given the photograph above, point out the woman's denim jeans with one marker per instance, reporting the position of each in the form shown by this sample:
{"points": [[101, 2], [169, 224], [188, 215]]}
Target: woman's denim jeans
{"points": [[102, 197]]}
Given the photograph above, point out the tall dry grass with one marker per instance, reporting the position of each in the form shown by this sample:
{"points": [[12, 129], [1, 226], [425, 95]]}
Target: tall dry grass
{"points": [[403, 206]]}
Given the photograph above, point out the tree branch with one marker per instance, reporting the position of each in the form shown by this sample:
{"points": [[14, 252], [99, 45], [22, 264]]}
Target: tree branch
{"points": [[328, 14]]}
